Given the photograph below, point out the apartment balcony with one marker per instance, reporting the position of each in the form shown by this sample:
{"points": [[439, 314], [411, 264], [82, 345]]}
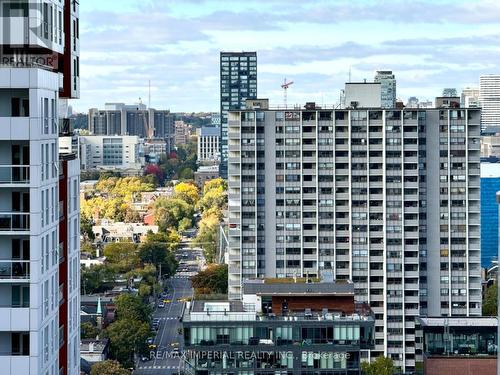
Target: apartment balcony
{"points": [[14, 271], [14, 175], [14, 222]]}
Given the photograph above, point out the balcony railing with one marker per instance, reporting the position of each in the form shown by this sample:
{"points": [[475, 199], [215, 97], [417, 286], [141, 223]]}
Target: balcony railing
{"points": [[14, 221], [14, 174], [14, 270]]}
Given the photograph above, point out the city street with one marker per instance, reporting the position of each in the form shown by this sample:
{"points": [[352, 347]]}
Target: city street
{"points": [[168, 337]]}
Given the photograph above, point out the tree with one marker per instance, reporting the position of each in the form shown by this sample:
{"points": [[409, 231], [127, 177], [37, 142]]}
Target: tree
{"points": [[122, 255], [108, 368], [212, 280], [155, 170], [86, 224], [186, 174], [187, 192], [185, 224], [158, 254], [168, 212], [131, 307], [88, 331], [207, 237], [127, 337], [216, 183], [381, 366], [490, 301], [94, 277], [213, 199]]}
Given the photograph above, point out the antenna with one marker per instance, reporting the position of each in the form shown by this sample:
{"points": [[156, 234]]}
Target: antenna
{"points": [[149, 99], [349, 73], [285, 87]]}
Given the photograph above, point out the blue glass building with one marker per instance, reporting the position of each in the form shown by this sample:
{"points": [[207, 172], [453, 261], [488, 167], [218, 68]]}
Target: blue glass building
{"points": [[490, 184]]}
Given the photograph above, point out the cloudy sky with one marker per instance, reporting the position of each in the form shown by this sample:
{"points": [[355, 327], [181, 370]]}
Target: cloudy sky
{"points": [[429, 44]]}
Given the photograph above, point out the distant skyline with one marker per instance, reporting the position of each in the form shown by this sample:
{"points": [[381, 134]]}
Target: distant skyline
{"points": [[429, 45]]}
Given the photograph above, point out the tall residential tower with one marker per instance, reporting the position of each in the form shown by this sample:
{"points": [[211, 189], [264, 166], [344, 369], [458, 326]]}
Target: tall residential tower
{"points": [[489, 97], [386, 198], [39, 261], [387, 81], [238, 82]]}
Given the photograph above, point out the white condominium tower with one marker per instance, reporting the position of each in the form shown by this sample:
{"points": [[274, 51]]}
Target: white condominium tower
{"points": [[39, 209], [386, 198], [489, 97]]}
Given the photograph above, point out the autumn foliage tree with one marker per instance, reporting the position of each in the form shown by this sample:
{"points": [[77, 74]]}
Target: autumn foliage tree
{"points": [[212, 280]]}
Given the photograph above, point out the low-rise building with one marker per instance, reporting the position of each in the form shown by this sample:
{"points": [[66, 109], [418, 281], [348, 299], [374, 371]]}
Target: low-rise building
{"points": [[452, 346], [121, 232], [205, 173], [94, 350], [279, 327], [106, 152]]}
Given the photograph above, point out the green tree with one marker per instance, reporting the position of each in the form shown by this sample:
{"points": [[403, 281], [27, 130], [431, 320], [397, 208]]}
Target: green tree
{"points": [[490, 301], [94, 277], [127, 336], [158, 254], [212, 280], [132, 307], [185, 224], [381, 366], [169, 212], [207, 237], [122, 256], [88, 331], [86, 224], [108, 368]]}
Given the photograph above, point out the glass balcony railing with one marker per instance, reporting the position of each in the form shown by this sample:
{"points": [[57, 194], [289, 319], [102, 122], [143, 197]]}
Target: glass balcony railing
{"points": [[14, 270], [14, 174], [14, 221]]}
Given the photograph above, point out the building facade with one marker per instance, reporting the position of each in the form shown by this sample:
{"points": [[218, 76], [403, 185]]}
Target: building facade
{"points": [[238, 82], [208, 144], [490, 184], [465, 346], [470, 97], [387, 82], [39, 50], [133, 120], [489, 96], [286, 328], [182, 133], [386, 198]]}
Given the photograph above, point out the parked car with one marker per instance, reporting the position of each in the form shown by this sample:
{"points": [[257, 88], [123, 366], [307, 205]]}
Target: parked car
{"points": [[161, 304]]}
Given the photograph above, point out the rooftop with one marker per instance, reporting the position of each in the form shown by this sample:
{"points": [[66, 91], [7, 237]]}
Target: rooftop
{"points": [[298, 286], [93, 345]]}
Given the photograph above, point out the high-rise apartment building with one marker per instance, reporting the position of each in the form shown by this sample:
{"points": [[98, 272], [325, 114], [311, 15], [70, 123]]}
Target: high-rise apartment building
{"points": [[39, 270], [470, 97], [387, 81], [238, 82], [133, 120], [208, 144], [386, 198], [489, 97]]}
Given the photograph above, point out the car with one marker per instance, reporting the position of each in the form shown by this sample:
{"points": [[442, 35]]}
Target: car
{"points": [[167, 301], [152, 346], [150, 340], [164, 295], [175, 351], [175, 345], [161, 304], [144, 358]]}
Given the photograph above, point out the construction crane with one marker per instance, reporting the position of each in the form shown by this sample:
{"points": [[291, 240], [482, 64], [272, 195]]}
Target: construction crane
{"points": [[285, 87], [148, 130]]}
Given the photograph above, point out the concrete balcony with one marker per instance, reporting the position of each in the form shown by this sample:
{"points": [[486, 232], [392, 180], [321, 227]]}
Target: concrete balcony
{"points": [[14, 222], [14, 175]]}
